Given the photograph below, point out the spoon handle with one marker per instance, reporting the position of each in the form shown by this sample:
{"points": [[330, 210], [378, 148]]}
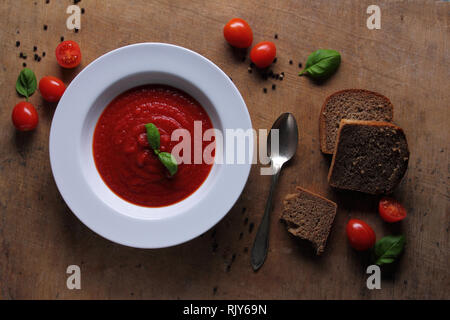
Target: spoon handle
{"points": [[261, 244]]}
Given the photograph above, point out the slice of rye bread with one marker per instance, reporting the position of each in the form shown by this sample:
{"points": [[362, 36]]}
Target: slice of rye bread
{"points": [[354, 104], [370, 157], [309, 217]]}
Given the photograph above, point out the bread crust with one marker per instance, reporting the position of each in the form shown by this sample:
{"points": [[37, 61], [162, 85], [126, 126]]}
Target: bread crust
{"points": [[360, 122], [314, 194], [322, 120]]}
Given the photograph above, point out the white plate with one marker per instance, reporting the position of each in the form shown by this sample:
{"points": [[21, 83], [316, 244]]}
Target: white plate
{"points": [[72, 130]]}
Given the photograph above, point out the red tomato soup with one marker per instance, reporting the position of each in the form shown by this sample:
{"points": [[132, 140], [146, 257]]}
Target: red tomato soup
{"points": [[124, 158]]}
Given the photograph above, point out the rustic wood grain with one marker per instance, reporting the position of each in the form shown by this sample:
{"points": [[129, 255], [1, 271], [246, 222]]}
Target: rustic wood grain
{"points": [[408, 60]]}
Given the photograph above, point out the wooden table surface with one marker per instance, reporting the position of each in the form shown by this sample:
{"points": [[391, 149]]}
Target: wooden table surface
{"points": [[408, 60]]}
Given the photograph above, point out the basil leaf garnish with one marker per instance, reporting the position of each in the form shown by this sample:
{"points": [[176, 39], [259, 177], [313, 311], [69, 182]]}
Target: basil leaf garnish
{"points": [[387, 249], [26, 83], [153, 136], [321, 64], [169, 161]]}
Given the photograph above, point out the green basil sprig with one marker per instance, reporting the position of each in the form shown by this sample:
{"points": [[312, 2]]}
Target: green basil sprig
{"points": [[387, 249], [167, 159], [26, 83], [153, 136], [321, 64]]}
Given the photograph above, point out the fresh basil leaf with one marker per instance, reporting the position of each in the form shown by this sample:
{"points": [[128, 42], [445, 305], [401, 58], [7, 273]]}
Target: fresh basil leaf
{"points": [[26, 83], [321, 64], [153, 136], [169, 161], [387, 249]]}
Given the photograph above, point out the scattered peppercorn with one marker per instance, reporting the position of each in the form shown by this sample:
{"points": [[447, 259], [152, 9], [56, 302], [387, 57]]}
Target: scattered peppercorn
{"points": [[45, 27], [62, 38], [47, 1], [265, 90], [17, 44], [300, 65], [275, 60], [76, 1], [34, 49], [250, 227], [24, 64], [274, 86], [82, 10], [36, 57], [275, 36], [76, 30], [43, 53], [290, 62]]}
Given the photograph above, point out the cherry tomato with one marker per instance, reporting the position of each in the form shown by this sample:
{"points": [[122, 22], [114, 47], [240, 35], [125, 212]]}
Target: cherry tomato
{"points": [[263, 54], [51, 88], [24, 116], [238, 33], [68, 54], [360, 235], [391, 210]]}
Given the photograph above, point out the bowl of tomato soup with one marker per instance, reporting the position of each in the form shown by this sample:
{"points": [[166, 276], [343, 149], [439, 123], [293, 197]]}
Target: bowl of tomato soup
{"points": [[103, 158]]}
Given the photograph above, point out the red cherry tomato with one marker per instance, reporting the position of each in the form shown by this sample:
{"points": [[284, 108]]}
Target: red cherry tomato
{"points": [[360, 235], [51, 88], [238, 33], [391, 210], [68, 54], [24, 116], [263, 54]]}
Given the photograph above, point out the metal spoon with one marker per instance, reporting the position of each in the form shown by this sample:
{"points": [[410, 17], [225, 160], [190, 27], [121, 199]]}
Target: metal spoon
{"points": [[288, 140]]}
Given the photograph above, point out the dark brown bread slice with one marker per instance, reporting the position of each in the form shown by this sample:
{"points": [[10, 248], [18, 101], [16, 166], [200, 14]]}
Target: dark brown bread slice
{"points": [[354, 104], [309, 216], [370, 157]]}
